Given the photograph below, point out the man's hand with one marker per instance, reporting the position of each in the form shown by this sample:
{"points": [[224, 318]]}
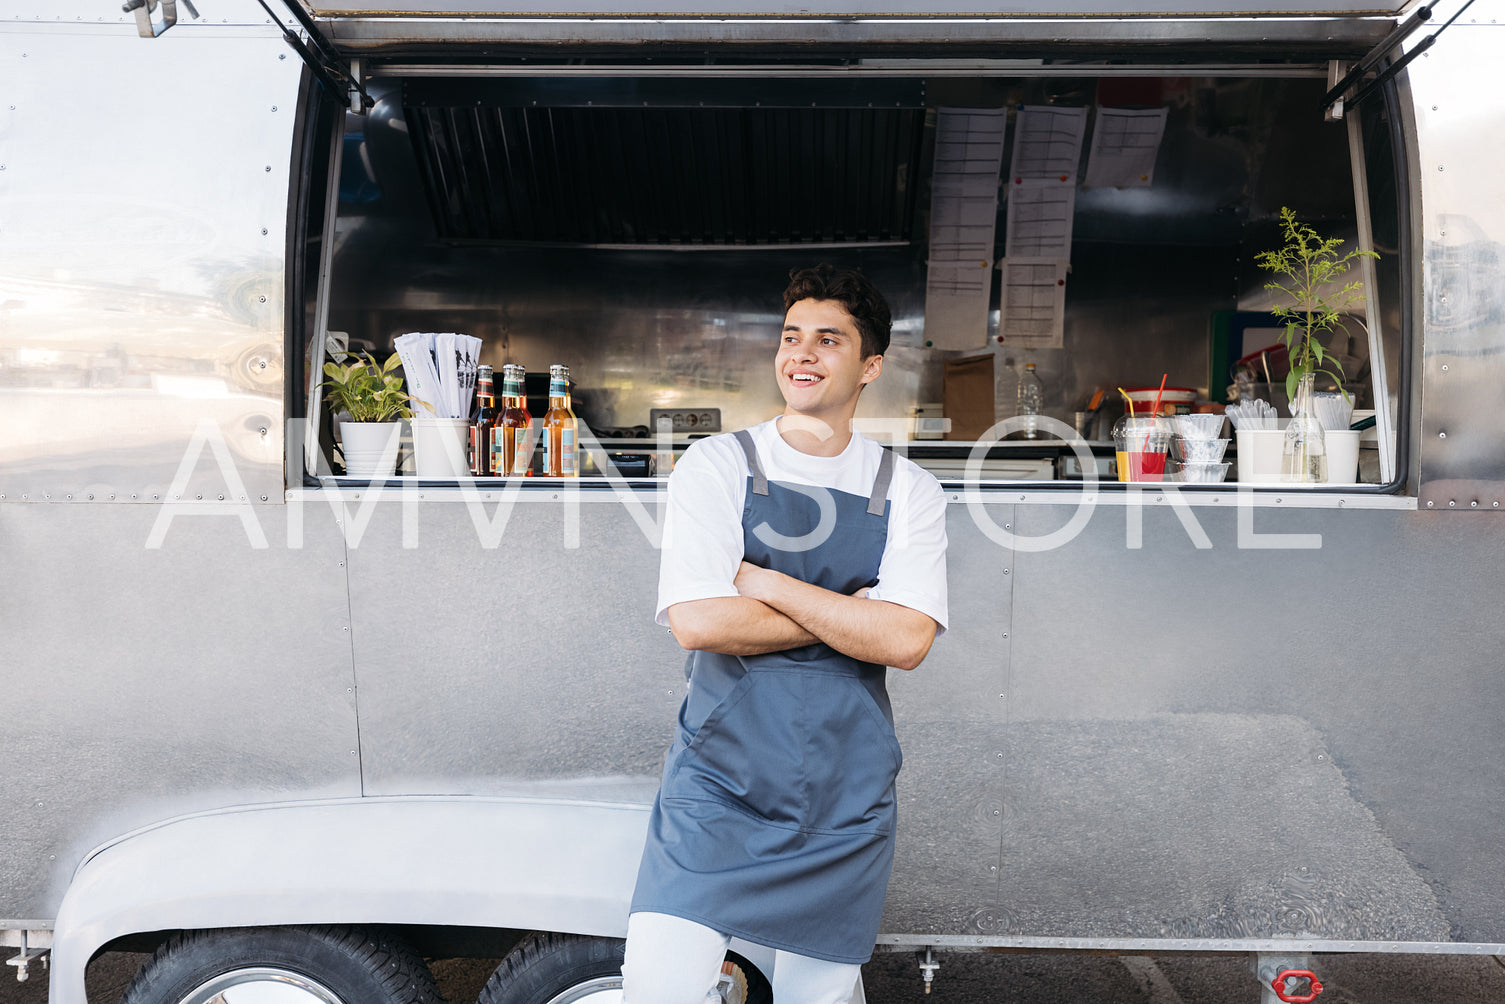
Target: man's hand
{"points": [[872, 631]]}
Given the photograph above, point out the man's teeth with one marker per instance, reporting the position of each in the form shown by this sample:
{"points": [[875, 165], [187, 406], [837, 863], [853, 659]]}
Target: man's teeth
{"points": [[805, 378]]}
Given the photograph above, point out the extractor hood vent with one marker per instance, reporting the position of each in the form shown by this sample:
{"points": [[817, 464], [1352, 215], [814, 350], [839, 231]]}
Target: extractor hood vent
{"points": [[666, 165]]}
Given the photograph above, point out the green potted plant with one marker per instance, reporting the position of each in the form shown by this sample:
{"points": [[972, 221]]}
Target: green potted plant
{"points": [[1310, 271], [373, 397]]}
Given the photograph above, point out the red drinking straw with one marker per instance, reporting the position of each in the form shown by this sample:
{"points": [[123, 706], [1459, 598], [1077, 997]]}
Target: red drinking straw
{"points": [[1156, 412]]}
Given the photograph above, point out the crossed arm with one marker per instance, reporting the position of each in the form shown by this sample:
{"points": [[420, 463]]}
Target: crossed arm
{"points": [[774, 611]]}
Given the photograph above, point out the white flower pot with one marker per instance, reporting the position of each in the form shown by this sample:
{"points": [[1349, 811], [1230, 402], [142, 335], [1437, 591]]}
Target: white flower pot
{"points": [[370, 448]]}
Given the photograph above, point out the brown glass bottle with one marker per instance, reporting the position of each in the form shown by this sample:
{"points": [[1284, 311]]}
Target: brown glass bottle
{"points": [[560, 446], [512, 450], [480, 423]]}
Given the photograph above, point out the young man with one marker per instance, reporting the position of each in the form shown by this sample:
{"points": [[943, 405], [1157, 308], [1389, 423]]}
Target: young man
{"points": [[799, 561]]}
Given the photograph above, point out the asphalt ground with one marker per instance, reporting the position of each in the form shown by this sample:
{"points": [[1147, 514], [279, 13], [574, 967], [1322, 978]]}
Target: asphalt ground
{"points": [[1036, 978]]}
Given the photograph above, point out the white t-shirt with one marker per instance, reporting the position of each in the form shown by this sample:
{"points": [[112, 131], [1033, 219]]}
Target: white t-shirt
{"points": [[703, 527]]}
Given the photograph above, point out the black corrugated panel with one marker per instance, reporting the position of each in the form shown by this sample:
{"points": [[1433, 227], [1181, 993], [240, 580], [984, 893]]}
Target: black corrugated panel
{"points": [[667, 175]]}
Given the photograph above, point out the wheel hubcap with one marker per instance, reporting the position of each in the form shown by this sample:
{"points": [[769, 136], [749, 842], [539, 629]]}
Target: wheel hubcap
{"points": [[262, 985]]}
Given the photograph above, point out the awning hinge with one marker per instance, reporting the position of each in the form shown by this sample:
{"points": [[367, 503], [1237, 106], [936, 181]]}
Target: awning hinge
{"points": [[339, 79], [1334, 99]]}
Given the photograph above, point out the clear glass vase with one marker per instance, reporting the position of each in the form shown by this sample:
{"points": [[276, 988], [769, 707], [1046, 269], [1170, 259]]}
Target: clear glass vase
{"points": [[1304, 458]]}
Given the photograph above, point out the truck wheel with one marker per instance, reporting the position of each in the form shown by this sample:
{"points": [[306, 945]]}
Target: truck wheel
{"points": [[569, 969], [283, 965]]}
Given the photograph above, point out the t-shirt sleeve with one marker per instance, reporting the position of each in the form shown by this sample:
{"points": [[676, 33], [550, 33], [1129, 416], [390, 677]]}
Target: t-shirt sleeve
{"points": [[702, 545], [913, 570]]}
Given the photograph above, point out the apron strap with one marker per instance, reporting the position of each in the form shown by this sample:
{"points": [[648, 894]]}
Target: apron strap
{"points": [[760, 480], [880, 484]]}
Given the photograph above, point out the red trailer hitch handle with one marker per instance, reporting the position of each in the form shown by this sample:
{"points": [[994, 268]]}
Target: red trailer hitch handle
{"points": [[1279, 985]]}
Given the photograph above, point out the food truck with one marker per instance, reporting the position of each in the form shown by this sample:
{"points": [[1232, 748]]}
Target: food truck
{"points": [[294, 731]]}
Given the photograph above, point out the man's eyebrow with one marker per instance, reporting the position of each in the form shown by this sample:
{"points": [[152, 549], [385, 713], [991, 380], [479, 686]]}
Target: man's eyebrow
{"points": [[824, 331]]}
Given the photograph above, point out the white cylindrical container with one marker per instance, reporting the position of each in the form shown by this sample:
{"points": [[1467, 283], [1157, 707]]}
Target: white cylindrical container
{"points": [[439, 447], [1342, 456], [370, 448], [1259, 454]]}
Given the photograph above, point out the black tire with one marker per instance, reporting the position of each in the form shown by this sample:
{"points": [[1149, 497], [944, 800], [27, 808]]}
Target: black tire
{"points": [[550, 968], [345, 964]]}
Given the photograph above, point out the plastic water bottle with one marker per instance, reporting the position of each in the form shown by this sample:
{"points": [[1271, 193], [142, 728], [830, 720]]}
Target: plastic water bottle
{"points": [[1031, 395]]}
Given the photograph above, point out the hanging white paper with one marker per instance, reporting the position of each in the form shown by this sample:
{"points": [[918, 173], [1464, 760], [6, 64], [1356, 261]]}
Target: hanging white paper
{"points": [[1125, 143], [963, 215], [956, 304], [1032, 310], [1039, 219], [1047, 142]]}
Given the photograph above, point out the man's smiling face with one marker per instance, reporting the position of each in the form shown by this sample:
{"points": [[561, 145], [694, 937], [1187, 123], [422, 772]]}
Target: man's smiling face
{"points": [[820, 366]]}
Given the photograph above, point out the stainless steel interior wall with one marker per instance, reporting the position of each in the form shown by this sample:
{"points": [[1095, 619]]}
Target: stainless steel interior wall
{"points": [[644, 329]]}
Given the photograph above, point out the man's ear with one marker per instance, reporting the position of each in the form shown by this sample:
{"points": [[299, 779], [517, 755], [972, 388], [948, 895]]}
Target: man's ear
{"points": [[871, 368]]}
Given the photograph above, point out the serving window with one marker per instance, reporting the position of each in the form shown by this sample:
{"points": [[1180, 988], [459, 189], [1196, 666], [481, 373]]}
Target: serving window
{"points": [[1090, 232]]}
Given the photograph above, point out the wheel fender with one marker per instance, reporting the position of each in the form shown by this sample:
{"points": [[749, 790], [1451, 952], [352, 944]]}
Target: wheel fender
{"points": [[535, 864]]}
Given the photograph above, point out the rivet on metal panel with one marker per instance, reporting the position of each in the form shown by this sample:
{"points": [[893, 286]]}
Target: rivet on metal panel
{"points": [[263, 231], [1496, 505], [349, 690], [70, 496], [199, 498], [1321, 757], [281, 55], [1340, 503], [1441, 168], [1442, 435], [1277, 500], [345, 628], [1005, 571], [997, 812], [1474, 504], [1008, 526], [221, 498], [998, 755], [1005, 634], [1429, 505], [269, 167], [352, 752], [91, 498], [274, 108], [262, 299], [263, 498], [1444, 365], [1452, 503]]}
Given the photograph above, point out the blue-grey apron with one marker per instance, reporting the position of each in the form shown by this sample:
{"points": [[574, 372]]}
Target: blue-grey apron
{"points": [[774, 820]]}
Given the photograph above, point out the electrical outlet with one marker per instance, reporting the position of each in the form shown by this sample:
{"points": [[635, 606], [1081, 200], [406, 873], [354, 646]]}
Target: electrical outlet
{"points": [[686, 420]]}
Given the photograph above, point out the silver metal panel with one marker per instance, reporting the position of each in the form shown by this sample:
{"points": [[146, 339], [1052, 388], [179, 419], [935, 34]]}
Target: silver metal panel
{"points": [[142, 262], [1462, 220], [949, 716], [1231, 742], [142, 683]]}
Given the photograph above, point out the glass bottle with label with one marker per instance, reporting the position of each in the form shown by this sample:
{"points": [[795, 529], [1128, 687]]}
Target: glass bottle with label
{"points": [[512, 450], [480, 423], [560, 449]]}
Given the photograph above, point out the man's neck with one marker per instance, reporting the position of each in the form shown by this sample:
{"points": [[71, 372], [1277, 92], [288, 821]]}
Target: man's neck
{"points": [[817, 436]]}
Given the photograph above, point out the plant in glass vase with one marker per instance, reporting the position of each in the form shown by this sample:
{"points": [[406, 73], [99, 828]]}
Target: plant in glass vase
{"points": [[1310, 271]]}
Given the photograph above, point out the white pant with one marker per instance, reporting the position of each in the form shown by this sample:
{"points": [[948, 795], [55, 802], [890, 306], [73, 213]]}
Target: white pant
{"points": [[671, 960]]}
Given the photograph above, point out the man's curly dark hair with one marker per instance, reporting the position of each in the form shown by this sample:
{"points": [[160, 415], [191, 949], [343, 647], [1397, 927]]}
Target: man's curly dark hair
{"points": [[852, 290]]}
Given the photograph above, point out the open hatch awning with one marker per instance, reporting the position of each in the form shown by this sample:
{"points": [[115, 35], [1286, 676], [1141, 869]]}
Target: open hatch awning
{"points": [[863, 9]]}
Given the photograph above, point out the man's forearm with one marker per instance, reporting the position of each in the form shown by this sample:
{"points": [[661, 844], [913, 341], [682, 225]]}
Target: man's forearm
{"points": [[870, 630], [735, 625]]}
